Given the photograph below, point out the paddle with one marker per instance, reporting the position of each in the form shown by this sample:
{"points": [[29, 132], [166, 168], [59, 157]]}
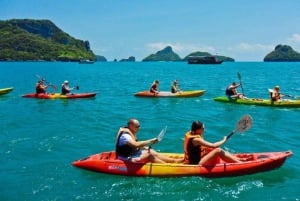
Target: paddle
{"points": [[240, 78], [160, 135], [242, 125]]}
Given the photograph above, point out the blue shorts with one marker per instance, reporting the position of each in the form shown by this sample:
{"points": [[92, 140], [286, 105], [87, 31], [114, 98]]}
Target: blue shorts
{"points": [[134, 158]]}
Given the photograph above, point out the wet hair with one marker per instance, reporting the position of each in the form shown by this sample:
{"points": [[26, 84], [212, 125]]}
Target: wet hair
{"points": [[196, 125]]}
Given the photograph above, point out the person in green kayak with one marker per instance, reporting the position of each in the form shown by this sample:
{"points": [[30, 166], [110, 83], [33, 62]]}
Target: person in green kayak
{"points": [[199, 151], [154, 87], [275, 94], [40, 87], [231, 91], [128, 148]]}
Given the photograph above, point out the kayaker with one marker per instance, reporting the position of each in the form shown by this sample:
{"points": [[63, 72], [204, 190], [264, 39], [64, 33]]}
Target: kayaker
{"points": [[275, 94], [199, 151], [129, 148], [231, 91], [174, 87], [65, 88], [40, 87], [154, 87]]}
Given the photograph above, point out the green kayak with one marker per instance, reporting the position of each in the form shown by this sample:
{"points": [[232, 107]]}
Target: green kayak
{"points": [[260, 102]]}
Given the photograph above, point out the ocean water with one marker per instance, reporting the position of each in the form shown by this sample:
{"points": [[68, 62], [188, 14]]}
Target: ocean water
{"points": [[41, 138]]}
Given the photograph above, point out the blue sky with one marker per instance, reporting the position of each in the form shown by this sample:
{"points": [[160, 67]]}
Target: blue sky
{"points": [[242, 29]]}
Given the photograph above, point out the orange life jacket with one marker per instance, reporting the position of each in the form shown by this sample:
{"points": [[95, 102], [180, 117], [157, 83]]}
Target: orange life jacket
{"points": [[193, 154]]}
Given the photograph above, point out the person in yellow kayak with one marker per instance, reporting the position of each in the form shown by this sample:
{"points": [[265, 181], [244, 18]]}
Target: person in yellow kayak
{"points": [[174, 87], [154, 87], [275, 94], [66, 89], [231, 91], [40, 87], [199, 151], [128, 148]]}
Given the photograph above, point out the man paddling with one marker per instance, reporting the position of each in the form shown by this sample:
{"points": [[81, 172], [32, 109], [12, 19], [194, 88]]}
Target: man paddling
{"points": [[231, 91]]}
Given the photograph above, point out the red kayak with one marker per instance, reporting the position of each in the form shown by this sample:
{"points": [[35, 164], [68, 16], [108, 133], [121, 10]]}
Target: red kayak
{"points": [[106, 162], [59, 96]]}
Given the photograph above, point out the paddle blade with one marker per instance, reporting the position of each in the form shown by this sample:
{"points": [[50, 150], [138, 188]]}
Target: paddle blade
{"points": [[244, 124], [239, 75], [161, 134]]}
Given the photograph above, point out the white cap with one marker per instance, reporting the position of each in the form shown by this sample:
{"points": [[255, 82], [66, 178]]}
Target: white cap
{"points": [[66, 81]]}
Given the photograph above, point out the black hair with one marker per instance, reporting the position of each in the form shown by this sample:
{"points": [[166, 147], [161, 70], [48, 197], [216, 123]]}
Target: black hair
{"points": [[196, 125]]}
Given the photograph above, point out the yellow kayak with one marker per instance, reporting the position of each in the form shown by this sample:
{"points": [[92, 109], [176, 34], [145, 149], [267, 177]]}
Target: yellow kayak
{"points": [[183, 94], [5, 90]]}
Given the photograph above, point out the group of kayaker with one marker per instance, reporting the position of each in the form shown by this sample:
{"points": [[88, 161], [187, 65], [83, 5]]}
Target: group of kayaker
{"points": [[154, 87], [196, 149], [232, 93], [41, 87]]}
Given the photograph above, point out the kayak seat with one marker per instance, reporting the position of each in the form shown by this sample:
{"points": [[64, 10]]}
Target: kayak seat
{"points": [[262, 156]]}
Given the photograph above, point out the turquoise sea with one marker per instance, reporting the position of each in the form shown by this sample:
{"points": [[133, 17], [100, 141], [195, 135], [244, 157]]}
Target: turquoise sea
{"points": [[41, 138]]}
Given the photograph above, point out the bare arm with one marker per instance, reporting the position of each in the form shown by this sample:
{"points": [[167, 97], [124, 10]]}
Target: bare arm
{"points": [[201, 141], [139, 144]]}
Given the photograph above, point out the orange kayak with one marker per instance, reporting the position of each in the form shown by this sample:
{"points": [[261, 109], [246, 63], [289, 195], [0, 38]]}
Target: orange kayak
{"points": [[106, 162], [183, 94], [59, 96]]}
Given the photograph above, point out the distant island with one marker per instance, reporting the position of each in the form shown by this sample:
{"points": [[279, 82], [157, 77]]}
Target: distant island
{"points": [[282, 53], [167, 54], [40, 40]]}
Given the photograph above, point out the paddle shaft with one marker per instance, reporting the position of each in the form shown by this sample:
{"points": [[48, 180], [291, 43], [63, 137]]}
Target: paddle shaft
{"points": [[240, 78], [290, 96], [231, 134]]}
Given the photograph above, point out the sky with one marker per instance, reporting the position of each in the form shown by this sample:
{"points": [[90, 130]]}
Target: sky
{"points": [[246, 30]]}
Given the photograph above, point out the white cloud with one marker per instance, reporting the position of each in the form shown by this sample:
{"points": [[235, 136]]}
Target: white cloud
{"points": [[295, 38], [248, 52], [180, 47], [251, 47]]}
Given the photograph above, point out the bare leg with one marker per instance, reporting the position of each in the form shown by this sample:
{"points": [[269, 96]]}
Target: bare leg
{"points": [[166, 159], [219, 152]]}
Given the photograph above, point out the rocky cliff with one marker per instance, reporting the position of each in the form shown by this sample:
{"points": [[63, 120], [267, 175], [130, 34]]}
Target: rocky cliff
{"points": [[283, 53], [27, 39]]}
